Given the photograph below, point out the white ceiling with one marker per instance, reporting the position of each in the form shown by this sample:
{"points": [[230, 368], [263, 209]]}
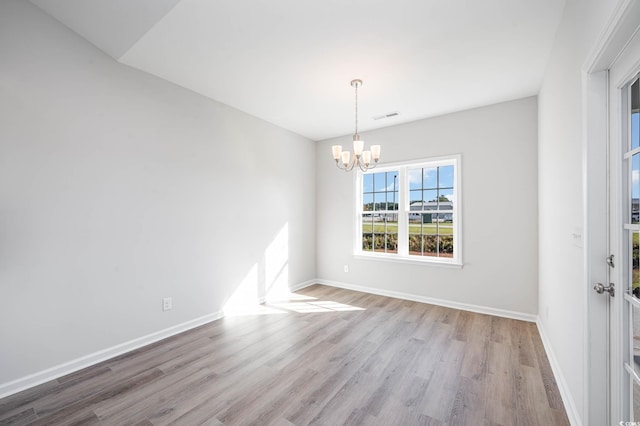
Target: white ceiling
{"points": [[290, 62]]}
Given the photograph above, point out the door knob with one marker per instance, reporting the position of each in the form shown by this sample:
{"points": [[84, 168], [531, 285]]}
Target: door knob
{"points": [[601, 288]]}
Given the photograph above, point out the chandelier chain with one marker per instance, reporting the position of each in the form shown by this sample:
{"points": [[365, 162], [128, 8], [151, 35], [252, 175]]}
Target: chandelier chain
{"points": [[356, 108]]}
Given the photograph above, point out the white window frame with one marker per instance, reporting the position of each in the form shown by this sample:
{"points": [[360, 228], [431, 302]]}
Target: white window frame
{"points": [[403, 255]]}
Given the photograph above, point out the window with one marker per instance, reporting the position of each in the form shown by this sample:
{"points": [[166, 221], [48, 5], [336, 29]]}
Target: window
{"points": [[410, 211], [380, 212]]}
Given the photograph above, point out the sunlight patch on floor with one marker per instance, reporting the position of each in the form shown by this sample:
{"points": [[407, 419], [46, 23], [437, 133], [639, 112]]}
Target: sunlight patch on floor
{"points": [[316, 306]]}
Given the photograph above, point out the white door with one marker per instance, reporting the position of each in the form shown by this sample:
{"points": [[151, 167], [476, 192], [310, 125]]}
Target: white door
{"points": [[624, 141]]}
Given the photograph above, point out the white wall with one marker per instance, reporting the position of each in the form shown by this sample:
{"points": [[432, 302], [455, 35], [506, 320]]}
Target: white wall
{"points": [[562, 284], [499, 202], [118, 189]]}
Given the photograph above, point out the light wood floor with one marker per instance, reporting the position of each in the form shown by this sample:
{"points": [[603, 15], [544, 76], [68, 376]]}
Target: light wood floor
{"points": [[328, 357]]}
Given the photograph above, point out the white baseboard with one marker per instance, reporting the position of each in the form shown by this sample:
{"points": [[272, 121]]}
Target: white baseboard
{"points": [[72, 366], [300, 286], [567, 399], [440, 302], [52, 373]]}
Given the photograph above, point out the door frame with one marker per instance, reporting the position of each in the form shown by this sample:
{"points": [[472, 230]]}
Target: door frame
{"points": [[597, 177]]}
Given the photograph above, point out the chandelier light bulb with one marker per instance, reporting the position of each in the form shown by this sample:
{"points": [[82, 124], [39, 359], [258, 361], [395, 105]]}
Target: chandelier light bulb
{"points": [[361, 158], [336, 150]]}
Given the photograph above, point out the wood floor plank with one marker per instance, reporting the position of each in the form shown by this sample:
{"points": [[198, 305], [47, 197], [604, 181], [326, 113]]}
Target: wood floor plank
{"points": [[24, 417], [329, 357]]}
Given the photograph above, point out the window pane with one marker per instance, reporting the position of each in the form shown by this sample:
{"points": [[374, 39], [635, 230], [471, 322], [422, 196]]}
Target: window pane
{"points": [[431, 199], [415, 199], [445, 196], [636, 400], [379, 243], [415, 245], [367, 231], [367, 183], [415, 223], [367, 202], [445, 174], [444, 227], [379, 181], [415, 178], [635, 130], [392, 181], [445, 245], [635, 188], [429, 224], [367, 222], [430, 247], [635, 320], [430, 177], [635, 263], [392, 200], [380, 200], [392, 223], [367, 242], [392, 243], [635, 114]]}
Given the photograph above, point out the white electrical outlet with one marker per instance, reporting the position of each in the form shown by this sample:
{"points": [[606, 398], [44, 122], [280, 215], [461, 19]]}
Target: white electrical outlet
{"points": [[346, 268], [167, 303]]}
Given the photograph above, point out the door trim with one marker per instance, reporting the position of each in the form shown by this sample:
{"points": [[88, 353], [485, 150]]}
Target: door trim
{"points": [[618, 32]]}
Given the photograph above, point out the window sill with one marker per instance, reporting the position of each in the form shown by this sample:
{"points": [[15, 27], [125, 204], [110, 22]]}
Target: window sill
{"points": [[394, 258]]}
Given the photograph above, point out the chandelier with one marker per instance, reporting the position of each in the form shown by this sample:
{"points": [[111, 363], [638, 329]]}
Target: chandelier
{"points": [[344, 160]]}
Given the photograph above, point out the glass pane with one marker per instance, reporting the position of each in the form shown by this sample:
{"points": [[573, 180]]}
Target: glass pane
{"points": [[379, 181], [431, 199], [635, 130], [415, 178], [367, 223], [635, 114], [415, 199], [415, 224], [392, 223], [392, 181], [415, 245], [367, 202], [367, 242], [378, 241], [444, 227], [367, 183], [636, 401], [367, 232], [635, 319], [446, 197], [392, 243], [429, 224], [445, 175], [380, 200], [430, 245], [430, 178], [635, 261], [392, 200], [445, 245], [635, 188]]}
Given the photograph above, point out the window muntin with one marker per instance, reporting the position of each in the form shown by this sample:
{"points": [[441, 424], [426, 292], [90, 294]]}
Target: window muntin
{"points": [[410, 211]]}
